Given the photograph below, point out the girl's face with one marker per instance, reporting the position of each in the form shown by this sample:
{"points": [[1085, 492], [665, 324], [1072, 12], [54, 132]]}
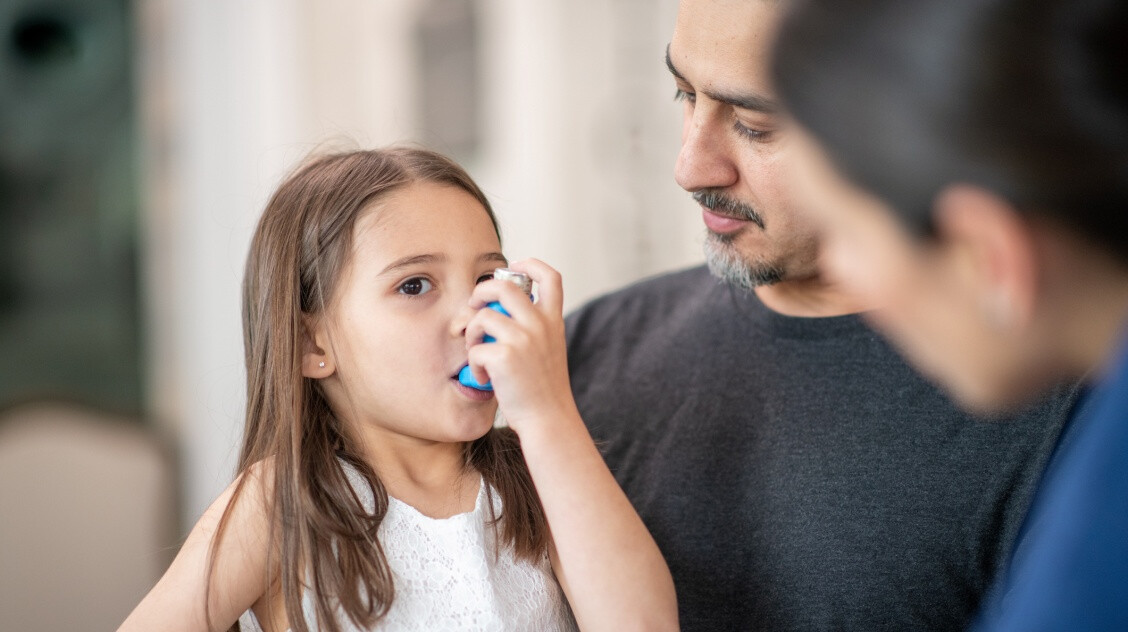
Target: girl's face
{"points": [[394, 333]]}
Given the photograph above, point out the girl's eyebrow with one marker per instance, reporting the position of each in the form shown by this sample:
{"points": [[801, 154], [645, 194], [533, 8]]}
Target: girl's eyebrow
{"points": [[494, 256], [412, 260]]}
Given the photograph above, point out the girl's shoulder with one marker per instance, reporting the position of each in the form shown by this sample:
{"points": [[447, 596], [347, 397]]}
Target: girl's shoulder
{"points": [[248, 497], [220, 569], [237, 527], [241, 515]]}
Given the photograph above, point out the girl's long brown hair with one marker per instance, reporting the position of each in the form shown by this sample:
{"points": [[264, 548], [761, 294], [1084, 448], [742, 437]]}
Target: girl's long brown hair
{"points": [[323, 538]]}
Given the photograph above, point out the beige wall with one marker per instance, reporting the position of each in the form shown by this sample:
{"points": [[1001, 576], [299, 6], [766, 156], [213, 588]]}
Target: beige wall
{"points": [[579, 136]]}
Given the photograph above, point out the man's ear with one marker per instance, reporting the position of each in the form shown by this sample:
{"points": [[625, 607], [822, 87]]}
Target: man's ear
{"points": [[999, 248], [316, 360]]}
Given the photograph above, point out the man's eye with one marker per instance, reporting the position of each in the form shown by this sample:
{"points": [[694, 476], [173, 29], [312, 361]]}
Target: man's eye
{"points": [[415, 286], [484, 278], [682, 95], [750, 133]]}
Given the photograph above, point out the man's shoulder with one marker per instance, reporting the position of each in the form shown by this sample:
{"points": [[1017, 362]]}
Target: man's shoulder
{"points": [[644, 315], [661, 292]]}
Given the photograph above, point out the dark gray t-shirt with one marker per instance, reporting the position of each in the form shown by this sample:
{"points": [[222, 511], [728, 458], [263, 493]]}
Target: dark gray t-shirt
{"points": [[795, 472]]}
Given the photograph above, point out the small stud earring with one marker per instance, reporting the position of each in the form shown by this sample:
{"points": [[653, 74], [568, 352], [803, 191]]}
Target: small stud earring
{"points": [[321, 364], [999, 310]]}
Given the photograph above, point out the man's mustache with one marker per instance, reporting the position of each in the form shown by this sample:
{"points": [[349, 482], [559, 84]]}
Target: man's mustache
{"points": [[714, 200]]}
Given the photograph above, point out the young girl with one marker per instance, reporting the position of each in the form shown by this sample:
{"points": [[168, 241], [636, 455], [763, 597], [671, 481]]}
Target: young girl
{"points": [[374, 490]]}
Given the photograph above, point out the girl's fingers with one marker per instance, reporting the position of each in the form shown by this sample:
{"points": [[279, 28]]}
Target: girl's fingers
{"points": [[528, 327], [477, 359], [550, 291], [487, 321], [484, 358], [515, 302]]}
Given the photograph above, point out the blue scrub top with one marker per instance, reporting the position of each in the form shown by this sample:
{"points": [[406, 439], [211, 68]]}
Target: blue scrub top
{"points": [[1070, 569]]}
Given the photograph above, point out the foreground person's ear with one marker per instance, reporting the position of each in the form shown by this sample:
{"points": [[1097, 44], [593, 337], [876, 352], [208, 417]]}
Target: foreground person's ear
{"points": [[997, 248]]}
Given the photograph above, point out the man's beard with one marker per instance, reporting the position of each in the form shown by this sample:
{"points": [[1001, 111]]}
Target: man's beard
{"points": [[725, 261]]}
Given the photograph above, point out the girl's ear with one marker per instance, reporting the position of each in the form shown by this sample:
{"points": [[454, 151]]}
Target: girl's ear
{"points": [[998, 251], [316, 361]]}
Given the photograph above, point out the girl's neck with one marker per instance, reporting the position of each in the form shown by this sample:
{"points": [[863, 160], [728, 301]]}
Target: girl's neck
{"points": [[432, 477]]}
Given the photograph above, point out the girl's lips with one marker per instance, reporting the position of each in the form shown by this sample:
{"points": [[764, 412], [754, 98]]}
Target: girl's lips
{"points": [[722, 224], [471, 393]]}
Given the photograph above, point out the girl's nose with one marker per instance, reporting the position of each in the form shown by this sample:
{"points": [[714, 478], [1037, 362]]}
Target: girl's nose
{"points": [[458, 323]]}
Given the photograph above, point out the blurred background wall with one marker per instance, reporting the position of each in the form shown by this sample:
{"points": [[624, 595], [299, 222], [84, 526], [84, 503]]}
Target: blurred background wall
{"points": [[141, 138]]}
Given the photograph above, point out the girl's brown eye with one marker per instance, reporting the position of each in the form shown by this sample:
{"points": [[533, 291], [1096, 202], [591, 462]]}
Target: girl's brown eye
{"points": [[415, 286], [485, 277]]}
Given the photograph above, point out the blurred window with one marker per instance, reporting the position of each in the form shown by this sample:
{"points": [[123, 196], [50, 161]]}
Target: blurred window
{"points": [[69, 304]]}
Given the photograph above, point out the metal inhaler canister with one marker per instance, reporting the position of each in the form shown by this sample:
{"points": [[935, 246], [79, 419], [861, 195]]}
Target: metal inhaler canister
{"points": [[521, 280]]}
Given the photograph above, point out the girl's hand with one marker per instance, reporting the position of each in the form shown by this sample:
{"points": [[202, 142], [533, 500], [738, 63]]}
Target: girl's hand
{"points": [[527, 364], [605, 560]]}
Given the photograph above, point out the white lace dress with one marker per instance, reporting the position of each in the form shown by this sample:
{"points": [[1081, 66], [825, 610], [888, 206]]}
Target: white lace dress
{"points": [[447, 576]]}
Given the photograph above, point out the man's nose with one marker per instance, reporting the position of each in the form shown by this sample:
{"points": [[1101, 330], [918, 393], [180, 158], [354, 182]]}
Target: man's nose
{"points": [[705, 160]]}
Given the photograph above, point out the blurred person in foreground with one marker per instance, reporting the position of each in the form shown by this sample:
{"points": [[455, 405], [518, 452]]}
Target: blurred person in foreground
{"points": [[969, 161], [794, 471]]}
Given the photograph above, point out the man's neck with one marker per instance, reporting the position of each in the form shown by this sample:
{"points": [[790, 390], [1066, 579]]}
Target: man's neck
{"points": [[811, 297]]}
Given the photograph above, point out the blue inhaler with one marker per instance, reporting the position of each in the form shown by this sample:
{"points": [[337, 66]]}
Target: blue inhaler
{"points": [[521, 280]]}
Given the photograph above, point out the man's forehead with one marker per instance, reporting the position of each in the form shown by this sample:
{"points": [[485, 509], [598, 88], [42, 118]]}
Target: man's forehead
{"points": [[724, 45]]}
